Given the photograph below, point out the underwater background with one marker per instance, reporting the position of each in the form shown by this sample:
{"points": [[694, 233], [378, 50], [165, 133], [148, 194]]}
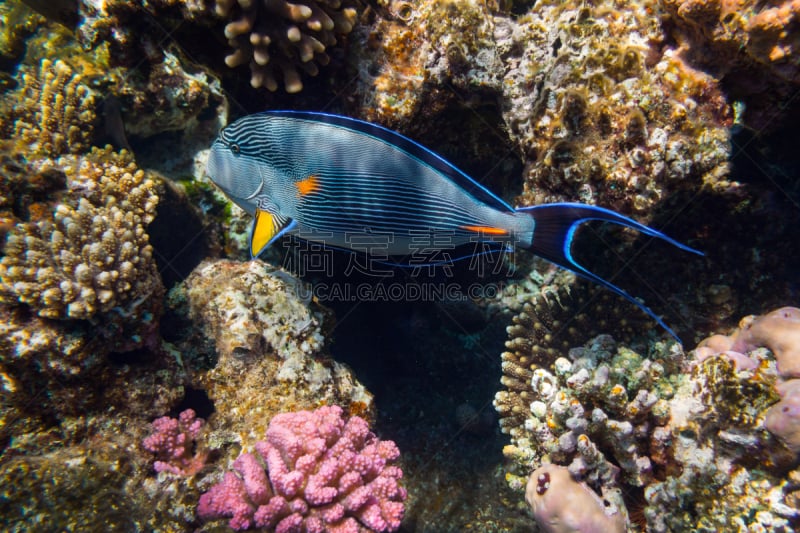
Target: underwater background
{"points": [[153, 378]]}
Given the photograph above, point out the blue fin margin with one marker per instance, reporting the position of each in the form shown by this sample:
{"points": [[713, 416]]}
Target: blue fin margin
{"points": [[554, 232]]}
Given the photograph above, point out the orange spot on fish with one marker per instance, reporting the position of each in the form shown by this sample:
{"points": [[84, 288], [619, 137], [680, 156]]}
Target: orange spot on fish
{"points": [[488, 230], [307, 186]]}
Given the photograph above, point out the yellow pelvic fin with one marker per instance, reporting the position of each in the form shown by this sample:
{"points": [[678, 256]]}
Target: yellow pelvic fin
{"points": [[265, 227], [488, 230], [308, 185]]}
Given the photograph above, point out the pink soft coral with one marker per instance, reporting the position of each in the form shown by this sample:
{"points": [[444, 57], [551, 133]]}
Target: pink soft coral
{"points": [[323, 474]]}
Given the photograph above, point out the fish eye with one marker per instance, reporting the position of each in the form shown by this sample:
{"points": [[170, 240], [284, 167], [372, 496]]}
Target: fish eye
{"points": [[235, 148]]}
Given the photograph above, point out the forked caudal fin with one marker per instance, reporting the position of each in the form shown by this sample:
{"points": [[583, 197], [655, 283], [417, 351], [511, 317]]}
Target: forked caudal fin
{"points": [[554, 232]]}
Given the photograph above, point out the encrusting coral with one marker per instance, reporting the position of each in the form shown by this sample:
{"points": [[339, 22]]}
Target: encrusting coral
{"points": [[779, 332], [276, 38], [266, 343], [89, 252], [604, 113], [52, 111], [562, 505], [752, 46]]}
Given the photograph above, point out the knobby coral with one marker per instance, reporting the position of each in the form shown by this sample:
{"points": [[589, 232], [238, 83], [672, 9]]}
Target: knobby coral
{"points": [[87, 252], [174, 440], [679, 431], [276, 37], [322, 474], [52, 111]]}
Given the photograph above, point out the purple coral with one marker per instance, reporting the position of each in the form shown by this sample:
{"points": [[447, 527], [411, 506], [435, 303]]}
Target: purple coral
{"points": [[174, 440], [322, 474], [783, 418]]}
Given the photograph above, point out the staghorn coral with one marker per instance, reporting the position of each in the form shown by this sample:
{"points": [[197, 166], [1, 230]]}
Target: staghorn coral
{"points": [[276, 37], [604, 113], [322, 474], [52, 111], [90, 254]]}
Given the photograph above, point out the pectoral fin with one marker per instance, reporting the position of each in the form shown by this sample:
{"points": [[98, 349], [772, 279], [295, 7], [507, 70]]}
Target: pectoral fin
{"points": [[267, 227]]}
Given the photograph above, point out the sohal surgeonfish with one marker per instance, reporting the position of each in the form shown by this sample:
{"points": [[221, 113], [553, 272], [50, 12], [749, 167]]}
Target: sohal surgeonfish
{"points": [[326, 178]]}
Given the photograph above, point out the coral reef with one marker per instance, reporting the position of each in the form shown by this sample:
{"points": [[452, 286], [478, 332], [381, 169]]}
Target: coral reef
{"points": [[778, 330], [603, 113], [562, 505], [265, 342], [88, 252], [752, 46], [52, 111], [276, 38], [677, 430], [408, 59], [322, 474], [174, 440]]}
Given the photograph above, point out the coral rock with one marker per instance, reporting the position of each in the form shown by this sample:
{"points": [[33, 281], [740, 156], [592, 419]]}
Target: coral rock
{"points": [[561, 504], [266, 344], [604, 114]]}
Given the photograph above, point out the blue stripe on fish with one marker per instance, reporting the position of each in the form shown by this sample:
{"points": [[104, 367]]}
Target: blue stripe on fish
{"points": [[326, 177], [413, 148]]}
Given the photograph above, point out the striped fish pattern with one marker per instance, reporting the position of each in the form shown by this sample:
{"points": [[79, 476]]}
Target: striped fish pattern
{"points": [[328, 178]]}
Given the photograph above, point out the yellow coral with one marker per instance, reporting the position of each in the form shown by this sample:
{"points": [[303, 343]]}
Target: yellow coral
{"points": [[52, 111], [277, 37], [90, 252]]}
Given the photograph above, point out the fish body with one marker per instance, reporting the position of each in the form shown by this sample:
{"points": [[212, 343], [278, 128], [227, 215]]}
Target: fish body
{"points": [[341, 181]]}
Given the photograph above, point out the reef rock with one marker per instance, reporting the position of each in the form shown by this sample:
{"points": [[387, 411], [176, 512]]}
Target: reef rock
{"points": [[265, 344], [690, 435]]}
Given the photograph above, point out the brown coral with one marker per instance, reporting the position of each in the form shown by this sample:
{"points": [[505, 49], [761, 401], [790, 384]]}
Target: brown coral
{"points": [[276, 37], [52, 111], [89, 253], [752, 46], [607, 115], [267, 343]]}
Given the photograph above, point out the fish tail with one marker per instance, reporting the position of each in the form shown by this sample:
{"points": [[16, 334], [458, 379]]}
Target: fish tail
{"points": [[554, 232]]}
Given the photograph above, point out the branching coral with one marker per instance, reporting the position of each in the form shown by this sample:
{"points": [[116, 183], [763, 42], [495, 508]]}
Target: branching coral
{"points": [[52, 111], [90, 254], [276, 37], [324, 473]]}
